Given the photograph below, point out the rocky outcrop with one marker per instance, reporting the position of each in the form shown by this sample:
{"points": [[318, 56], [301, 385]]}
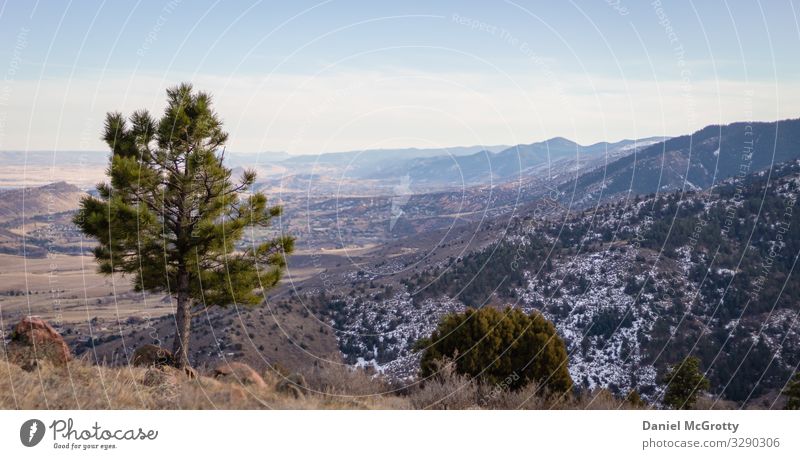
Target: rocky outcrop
{"points": [[34, 340]]}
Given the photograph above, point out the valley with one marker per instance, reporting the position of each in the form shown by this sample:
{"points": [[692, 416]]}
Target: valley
{"points": [[638, 251]]}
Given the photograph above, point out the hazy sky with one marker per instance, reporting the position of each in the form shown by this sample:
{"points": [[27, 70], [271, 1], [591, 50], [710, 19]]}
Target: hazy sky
{"points": [[306, 77]]}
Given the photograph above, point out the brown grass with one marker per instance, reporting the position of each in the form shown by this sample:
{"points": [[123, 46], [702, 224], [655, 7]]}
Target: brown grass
{"points": [[81, 385], [452, 391], [346, 381]]}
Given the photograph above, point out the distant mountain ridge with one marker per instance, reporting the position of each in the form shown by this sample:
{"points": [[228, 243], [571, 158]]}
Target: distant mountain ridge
{"points": [[425, 168], [692, 162], [389, 154], [487, 166]]}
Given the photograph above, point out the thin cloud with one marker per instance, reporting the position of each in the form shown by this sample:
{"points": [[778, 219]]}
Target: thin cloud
{"points": [[353, 110]]}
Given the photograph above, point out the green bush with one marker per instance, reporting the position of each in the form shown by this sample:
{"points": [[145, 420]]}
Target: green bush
{"points": [[506, 348]]}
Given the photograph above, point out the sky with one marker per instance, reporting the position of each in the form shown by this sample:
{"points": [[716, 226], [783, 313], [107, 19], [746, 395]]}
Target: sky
{"points": [[311, 77]]}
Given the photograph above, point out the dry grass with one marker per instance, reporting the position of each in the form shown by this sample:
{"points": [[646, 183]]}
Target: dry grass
{"points": [[711, 403], [81, 385], [84, 386], [343, 380], [452, 391]]}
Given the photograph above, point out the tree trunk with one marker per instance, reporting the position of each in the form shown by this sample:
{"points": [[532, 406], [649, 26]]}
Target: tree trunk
{"points": [[183, 321]]}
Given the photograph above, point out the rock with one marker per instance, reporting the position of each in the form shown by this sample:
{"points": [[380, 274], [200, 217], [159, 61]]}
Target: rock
{"points": [[33, 339], [151, 355], [239, 373], [294, 385]]}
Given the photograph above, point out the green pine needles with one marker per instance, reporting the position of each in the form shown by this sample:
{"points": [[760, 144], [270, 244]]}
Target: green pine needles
{"points": [[507, 348], [171, 214]]}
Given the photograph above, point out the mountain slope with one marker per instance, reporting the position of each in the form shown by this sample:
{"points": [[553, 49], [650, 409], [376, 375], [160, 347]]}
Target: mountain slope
{"points": [[692, 162], [30, 202], [632, 287]]}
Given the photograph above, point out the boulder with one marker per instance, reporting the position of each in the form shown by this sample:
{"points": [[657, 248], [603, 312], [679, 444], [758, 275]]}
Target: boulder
{"points": [[151, 355], [294, 385], [238, 372], [33, 339]]}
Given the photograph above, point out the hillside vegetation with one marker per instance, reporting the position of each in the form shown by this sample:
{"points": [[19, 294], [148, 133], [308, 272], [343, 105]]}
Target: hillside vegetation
{"points": [[632, 287]]}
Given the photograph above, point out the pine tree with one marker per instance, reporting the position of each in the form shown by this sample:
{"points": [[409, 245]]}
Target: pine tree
{"points": [[171, 214], [684, 382], [792, 393]]}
